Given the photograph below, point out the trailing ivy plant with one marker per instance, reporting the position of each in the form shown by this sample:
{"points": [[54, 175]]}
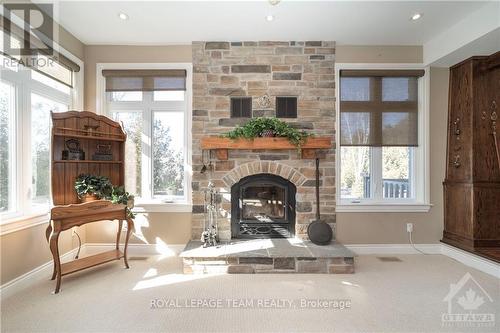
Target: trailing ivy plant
{"points": [[101, 188], [261, 126], [120, 196], [98, 186]]}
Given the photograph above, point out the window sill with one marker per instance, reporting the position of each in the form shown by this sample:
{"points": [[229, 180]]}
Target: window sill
{"points": [[162, 207], [23, 222], [384, 208]]}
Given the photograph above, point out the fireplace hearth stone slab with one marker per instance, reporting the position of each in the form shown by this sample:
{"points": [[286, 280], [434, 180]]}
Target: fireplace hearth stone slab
{"points": [[267, 256]]}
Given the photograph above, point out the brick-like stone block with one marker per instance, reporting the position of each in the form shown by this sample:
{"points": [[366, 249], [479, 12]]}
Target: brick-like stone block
{"points": [[263, 113], [224, 165], [250, 69], [273, 157], [200, 113], [289, 50], [341, 269], [198, 209], [226, 92], [284, 263], [231, 122], [240, 269], [317, 57], [256, 260], [280, 68], [286, 76], [304, 207], [313, 43], [216, 46], [318, 265]]}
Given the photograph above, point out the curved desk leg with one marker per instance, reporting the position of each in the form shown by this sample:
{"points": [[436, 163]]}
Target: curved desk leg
{"points": [[120, 224], [48, 231], [54, 237], [130, 226]]}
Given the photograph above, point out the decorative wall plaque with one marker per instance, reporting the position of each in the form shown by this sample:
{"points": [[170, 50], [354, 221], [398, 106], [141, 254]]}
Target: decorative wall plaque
{"points": [[264, 102]]}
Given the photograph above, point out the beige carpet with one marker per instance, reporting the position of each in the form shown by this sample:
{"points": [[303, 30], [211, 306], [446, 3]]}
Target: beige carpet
{"points": [[405, 296]]}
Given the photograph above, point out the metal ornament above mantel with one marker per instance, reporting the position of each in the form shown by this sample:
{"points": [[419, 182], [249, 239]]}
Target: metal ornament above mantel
{"points": [[222, 145]]}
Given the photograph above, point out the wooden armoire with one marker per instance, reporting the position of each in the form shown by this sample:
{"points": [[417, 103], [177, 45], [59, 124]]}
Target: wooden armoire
{"points": [[472, 183]]}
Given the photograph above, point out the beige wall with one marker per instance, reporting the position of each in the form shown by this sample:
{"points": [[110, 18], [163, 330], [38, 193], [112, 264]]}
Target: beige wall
{"points": [[378, 54], [25, 250], [70, 43], [374, 228], [151, 228], [170, 228], [126, 54]]}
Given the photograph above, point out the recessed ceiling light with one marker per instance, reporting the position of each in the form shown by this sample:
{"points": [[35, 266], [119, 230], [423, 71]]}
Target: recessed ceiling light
{"points": [[123, 16], [416, 16], [270, 18]]}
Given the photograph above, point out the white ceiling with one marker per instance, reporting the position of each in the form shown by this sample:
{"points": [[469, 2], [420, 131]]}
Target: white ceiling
{"points": [[174, 22]]}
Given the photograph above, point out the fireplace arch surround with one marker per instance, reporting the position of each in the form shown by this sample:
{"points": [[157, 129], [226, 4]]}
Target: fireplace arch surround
{"points": [[263, 206]]}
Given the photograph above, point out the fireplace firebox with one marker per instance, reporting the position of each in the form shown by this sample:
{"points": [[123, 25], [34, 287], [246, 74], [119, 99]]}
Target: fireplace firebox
{"points": [[263, 206]]}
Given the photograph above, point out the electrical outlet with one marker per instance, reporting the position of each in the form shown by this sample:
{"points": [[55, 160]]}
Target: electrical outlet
{"points": [[409, 227]]}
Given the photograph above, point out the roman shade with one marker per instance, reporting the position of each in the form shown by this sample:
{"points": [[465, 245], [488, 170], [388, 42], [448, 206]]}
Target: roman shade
{"points": [[379, 107], [42, 57], [145, 80]]}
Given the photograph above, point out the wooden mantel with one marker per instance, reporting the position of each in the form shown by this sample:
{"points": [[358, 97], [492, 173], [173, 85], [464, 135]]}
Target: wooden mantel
{"points": [[222, 145]]}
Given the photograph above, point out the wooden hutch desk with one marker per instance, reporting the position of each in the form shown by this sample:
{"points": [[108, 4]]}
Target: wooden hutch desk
{"points": [[89, 130]]}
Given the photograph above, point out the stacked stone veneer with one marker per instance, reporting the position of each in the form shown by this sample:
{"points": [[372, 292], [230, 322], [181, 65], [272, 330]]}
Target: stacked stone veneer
{"points": [[301, 69]]}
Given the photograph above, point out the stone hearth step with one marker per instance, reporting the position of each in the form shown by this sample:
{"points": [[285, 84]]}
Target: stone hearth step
{"points": [[267, 256]]}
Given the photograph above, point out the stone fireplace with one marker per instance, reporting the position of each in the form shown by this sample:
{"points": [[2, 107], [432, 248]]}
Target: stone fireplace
{"points": [[263, 193], [263, 206]]}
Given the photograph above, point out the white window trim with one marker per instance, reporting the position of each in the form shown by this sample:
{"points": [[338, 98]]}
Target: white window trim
{"points": [[12, 222], [422, 171], [153, 206]]}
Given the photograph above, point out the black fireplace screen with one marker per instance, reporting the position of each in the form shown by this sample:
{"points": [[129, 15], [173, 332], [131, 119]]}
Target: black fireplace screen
{"points": [[263, 206]]}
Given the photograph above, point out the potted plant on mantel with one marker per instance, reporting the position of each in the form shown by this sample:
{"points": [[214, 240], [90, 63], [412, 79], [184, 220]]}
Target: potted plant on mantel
{"points": [[268, 127]]}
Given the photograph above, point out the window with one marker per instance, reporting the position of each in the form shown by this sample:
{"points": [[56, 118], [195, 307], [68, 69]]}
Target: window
{"points": [[41, 107], [7, 156], [30, 88], [26, 100], [241, 107], [157, 135], [286, 107], [380, 154]]}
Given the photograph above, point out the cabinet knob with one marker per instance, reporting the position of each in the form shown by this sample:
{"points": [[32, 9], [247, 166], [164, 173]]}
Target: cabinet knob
{"points": [[456, 162], [457, 130]]}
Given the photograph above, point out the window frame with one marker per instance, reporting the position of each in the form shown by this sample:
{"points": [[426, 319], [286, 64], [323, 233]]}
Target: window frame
{"points": [[419, 160], [148, 205], [23, 215]]}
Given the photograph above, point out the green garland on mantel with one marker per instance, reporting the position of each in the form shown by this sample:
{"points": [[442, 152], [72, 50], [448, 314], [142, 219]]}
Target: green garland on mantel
{"points": [[268, 127]]}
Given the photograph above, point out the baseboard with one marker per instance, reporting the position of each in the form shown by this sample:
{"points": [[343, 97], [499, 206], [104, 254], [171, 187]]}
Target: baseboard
{"points": [[41, 272], [361, 249], [464, 257], [471, 260]]}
